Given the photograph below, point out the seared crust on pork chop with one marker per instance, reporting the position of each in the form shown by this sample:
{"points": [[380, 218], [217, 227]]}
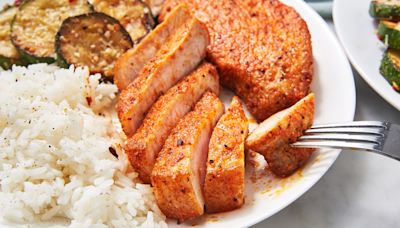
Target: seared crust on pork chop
{"points": [[285, 160], [224, 185], [129, 65], [142, 149], [179, 172], [262, 50], [179, 56], [273, 136]]}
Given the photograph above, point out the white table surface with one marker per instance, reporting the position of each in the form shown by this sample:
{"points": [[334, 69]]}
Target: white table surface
{"points": [[361, 189]]}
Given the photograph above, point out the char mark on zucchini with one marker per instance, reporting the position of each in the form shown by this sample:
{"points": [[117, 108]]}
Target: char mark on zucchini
{"points": [[36, 23], [95, 40], [8, 53], [134, 15]]}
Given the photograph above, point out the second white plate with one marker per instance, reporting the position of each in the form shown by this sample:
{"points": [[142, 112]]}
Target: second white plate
{"points": [[355, 29]]}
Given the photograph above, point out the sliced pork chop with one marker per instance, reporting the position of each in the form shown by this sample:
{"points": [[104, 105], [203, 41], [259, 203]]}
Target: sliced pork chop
{"points": [[261, 48], [129, 65], [183, 51], [179, 171], [224, 184], [273, 136], [142, 149]]}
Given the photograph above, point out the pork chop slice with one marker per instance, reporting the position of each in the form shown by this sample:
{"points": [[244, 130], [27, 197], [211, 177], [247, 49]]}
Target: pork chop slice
{"points": [[261, 48], [224, 184], [129, 65], [272, 137], [142, 149], [179, 56], [179, 171]]}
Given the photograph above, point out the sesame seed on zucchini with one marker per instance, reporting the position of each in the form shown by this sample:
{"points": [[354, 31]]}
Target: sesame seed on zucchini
{"points": [[95, 40], [385, 10], [8, 53], [390, 67], [389, 33], [36, 23], [134, 15]]}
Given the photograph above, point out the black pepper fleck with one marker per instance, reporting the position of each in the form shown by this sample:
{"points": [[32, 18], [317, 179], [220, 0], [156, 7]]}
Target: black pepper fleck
{"points": [[113, 152], [179, 142]]}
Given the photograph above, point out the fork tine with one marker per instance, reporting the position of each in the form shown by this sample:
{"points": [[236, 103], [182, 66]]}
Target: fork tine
{"points": [[335, 145], [378, 124], [373, 136], [346, 130], [341, 137]]}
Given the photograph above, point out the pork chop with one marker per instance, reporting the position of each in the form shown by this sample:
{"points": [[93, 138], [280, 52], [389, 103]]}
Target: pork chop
{"points": [[129, 65], [179, 56], [224, 185], [142, 149], [272, 137], [261, 48], [179, 171]]}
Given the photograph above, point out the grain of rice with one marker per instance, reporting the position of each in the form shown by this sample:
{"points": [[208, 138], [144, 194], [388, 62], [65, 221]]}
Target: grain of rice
{"points": [[54, 151]]}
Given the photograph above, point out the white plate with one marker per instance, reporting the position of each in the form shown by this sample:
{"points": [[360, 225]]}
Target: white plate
{"points": [[334, 90], [355, 29], [335, 100]]}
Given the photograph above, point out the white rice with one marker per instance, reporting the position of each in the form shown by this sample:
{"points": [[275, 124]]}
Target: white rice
{"points": [[55, 157]]}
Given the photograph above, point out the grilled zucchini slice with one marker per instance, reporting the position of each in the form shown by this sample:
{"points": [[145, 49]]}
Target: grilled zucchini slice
{"points": [[389, 10], [389, 33], [134, 15], [36, 23], [95, 40], [8, 53], [390, 67]]}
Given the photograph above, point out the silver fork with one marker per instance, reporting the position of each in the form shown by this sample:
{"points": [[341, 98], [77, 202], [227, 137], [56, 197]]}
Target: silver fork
{"points": [[374, 136]]}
